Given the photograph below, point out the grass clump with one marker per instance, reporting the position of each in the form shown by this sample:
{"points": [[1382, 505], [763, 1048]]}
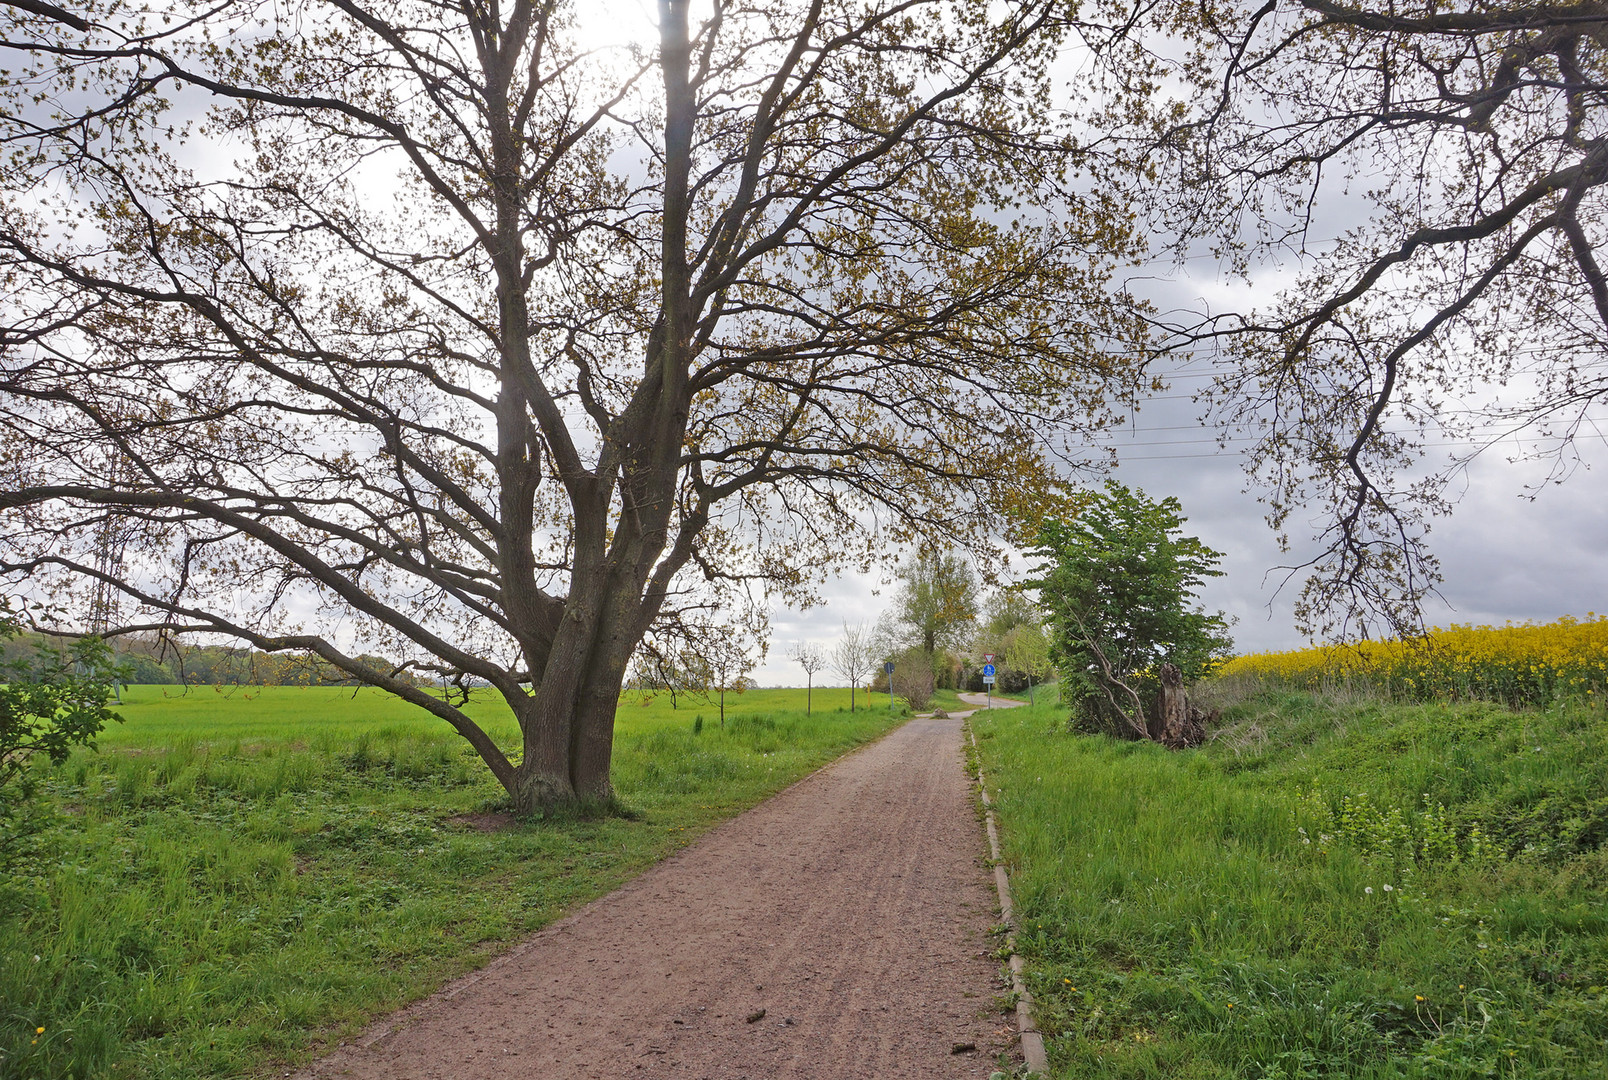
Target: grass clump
{"points": [[245, 876], [1328, 889]]}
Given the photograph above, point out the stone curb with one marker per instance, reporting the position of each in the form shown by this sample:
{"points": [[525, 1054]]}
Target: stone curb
{"points": [[1032, 1042]]}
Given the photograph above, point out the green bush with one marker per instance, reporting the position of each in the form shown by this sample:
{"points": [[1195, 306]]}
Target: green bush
{"points": [[51, 702]]}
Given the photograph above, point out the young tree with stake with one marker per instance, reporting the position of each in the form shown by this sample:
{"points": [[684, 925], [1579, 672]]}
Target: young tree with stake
{"points": [[808, 655], [852, 658]]}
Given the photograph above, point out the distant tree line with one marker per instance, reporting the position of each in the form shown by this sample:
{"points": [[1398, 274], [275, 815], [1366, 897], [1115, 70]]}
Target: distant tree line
{"points": [[150, 661]]}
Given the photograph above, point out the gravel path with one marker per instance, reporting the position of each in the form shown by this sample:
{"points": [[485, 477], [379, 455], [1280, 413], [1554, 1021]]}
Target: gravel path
{"points": [[837, 931]]}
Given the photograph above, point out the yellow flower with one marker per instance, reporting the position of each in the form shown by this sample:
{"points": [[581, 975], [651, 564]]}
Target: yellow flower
{"points": [[1418, 997], [39, 1031]]}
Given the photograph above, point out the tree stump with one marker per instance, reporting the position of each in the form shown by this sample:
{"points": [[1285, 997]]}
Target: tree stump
{"points": [[1177, 723]]}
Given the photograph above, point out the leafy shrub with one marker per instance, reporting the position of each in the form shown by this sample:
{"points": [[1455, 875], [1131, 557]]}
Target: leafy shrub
{"points": [[49, 703]]}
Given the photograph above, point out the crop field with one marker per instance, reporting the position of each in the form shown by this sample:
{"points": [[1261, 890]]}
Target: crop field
{"points": [[1330, 888], [240, 875], [1519, 665]]}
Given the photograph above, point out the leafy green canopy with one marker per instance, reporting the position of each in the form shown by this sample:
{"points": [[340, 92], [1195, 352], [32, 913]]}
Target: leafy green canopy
{"points": [[936, 605], [1118, 585]]}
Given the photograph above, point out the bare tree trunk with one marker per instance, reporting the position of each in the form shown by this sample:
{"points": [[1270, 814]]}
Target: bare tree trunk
{"points": [[1178, 723]]}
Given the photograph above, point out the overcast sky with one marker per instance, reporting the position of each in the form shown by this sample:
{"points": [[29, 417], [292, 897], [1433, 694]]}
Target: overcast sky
{"points": [[1515, 548], [1504, 557]]}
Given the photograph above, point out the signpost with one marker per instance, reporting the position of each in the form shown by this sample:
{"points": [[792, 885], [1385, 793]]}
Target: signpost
{"points": [[988, 677], [887, 669]]}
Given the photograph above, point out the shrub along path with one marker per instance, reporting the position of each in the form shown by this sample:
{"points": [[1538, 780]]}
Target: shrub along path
{"points": [[839, 930]]}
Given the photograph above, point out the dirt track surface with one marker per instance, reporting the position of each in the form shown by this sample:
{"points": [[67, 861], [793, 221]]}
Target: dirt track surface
{"points": [[852, 910]]}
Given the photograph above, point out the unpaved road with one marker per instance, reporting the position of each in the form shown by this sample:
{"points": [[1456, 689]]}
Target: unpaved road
{"points": [[853, 910]]}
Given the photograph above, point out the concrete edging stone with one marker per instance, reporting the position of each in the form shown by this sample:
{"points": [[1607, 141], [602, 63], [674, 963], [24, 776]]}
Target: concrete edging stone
{"points": [[1032, 1041]]}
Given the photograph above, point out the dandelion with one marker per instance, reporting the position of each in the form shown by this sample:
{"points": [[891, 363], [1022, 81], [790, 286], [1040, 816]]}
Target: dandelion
{"points": [[1418, 997], [1230, 1004], [1389, 888], [1368, 889], [39, 1031]]}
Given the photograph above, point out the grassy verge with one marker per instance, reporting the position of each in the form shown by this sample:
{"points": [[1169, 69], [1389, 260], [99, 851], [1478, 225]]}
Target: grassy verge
{"points": [[1327, 890], [236, 878]]}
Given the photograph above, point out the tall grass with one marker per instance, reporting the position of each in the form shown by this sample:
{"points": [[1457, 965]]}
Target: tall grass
{"points": [[1359, 890], [239, 876]]}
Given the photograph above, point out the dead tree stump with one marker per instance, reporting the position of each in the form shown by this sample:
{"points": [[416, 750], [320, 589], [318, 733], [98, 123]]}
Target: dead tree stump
{"points": [[1177, 723]]}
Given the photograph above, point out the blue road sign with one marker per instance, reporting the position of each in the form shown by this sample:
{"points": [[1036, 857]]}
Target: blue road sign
{"points": [[988, 670], [887, 668]]}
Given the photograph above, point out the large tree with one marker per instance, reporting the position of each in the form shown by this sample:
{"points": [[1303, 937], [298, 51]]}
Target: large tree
{"points": [[1430, 177], [436, 330], [935, 605]]}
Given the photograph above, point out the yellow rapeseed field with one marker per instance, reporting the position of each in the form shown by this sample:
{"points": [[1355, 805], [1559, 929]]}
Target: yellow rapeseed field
{"points": [[1519, 665]]}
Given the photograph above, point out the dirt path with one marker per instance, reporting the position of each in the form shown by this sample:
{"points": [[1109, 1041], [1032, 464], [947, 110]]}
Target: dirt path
{"points": [[837, 931], [983, 701]]}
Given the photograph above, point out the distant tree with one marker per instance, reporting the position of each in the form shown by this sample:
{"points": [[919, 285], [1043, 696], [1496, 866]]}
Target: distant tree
{"points": [[935, 606], [1005, 611], [853, 657], [1118, 584], [808, 655], [1027, 650]]}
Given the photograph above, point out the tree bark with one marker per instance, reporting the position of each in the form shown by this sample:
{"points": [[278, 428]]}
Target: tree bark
{"points": [[1177, 723]]}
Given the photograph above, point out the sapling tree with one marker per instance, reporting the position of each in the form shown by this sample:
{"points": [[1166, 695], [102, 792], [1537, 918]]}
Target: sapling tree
{"points": [[853, 658], [1118, 584], [808, 655], [728, 662]]}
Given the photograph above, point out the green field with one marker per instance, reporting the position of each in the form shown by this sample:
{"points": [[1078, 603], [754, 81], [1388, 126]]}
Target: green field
{"points": [[1328, 889], [241, 875]]}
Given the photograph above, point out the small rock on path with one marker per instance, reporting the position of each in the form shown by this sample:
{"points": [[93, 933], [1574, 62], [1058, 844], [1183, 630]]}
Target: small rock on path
{"points": [[836, 931]]}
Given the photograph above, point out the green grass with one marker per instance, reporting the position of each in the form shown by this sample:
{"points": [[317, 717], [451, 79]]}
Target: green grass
{"points": [[1326, 890], [240, 877]]}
